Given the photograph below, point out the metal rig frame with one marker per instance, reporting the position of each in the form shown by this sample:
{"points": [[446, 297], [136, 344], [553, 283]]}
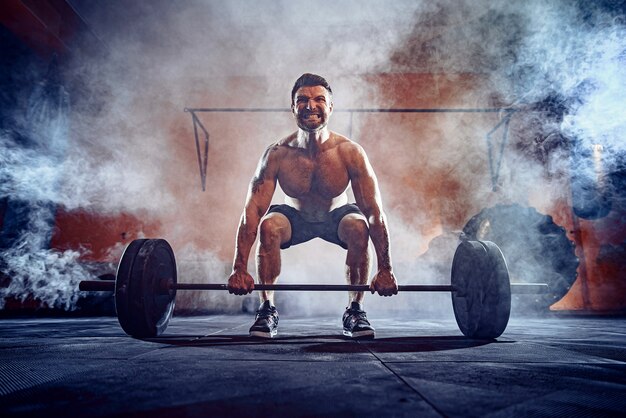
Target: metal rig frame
{"points": [[495, 162]]}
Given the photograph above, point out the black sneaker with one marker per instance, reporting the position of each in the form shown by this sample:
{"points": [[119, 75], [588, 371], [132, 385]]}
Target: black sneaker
{"points": [[266, 321], [355, 323]]}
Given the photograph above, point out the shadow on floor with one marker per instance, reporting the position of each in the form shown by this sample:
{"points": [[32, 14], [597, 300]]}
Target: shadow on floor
{"points": [[317, 343], [403, 345]]}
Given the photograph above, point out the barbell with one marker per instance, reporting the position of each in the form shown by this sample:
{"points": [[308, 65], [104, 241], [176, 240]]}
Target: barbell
{"points": [[146, 283]]}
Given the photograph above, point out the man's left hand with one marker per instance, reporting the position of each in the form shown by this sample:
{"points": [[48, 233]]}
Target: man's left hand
{"points": [[384, 282]]}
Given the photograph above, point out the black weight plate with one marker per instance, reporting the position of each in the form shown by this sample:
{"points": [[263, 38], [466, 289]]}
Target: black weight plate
{"points": [[123, 291], [147, 308], [482, 295], [159, 265], [497, 294], [469, 258]]}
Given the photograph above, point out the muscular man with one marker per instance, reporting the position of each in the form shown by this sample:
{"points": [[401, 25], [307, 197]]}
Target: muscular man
{"points": [[314, 167]]}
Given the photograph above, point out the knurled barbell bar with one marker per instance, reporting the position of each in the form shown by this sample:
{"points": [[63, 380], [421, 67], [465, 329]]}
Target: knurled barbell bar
{"points": [[167, 284], [146, 283]]}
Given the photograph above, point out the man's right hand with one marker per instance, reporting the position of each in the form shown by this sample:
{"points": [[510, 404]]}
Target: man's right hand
{"points": [[240, 282]]}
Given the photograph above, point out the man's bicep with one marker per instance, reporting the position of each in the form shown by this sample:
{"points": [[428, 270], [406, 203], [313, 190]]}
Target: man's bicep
{"points": [[261, 193], [263, 183], [365, 184], [366, 195]]}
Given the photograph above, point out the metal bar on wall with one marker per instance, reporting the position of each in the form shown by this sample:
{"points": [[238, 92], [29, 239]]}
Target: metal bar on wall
{"points": [[203, 157], [493, 167]]}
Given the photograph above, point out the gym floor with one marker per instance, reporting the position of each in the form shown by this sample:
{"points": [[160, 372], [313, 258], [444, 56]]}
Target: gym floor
{"points": [[206, 366]]}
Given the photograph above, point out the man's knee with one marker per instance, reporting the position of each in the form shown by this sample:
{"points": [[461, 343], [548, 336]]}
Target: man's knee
{"points": [[353, 230], [274, 230]]}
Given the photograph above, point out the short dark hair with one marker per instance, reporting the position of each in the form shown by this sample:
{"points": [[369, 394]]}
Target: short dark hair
{"points": [[310, 80]]}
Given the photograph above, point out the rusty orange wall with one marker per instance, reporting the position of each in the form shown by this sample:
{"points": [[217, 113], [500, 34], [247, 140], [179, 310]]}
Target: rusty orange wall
{"points": [[408, 151], [424, 191], [98, 237], [601, 284], [417, 190], [400, 147]]}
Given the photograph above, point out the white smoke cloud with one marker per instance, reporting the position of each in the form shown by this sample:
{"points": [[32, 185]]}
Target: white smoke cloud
{"points": [[49, 277], [128, 146]]}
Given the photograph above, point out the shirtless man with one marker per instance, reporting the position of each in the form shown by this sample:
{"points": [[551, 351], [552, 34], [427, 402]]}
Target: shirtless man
{"points": [[314, 167]]}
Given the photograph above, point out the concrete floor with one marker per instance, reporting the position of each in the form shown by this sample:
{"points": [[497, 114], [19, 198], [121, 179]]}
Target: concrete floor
{"points": [[206, 367]]}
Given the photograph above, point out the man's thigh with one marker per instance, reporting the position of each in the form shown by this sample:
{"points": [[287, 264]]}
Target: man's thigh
{"points": [[277, 223], [353, 226], [348, 214]]}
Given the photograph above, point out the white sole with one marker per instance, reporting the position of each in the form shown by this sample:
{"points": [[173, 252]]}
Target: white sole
{"points": [[262, 334], [360, 334]]}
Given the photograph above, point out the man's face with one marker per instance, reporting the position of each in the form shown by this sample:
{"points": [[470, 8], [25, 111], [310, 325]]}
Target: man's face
{"points": [[312, 108]]}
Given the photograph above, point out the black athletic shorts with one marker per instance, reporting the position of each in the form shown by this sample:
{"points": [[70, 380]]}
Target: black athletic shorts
{"points": [[303, 231]]}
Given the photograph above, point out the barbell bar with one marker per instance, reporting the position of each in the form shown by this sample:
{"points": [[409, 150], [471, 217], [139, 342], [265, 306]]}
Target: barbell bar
{"points": [[109, 286], [145, 288]]}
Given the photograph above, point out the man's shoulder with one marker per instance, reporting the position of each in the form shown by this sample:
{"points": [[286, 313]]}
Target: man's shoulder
{"points": [[278, 148], [347, 146], [283, 144]]}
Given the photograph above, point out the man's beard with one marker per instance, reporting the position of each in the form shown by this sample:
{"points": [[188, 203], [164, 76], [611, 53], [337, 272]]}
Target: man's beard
{"points": [[312, 125]]}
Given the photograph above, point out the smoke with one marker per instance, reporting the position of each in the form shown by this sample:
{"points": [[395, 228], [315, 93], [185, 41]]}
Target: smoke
{"points": [[29, 175], [47, 164], [528, 51], [562, 65], [206, 54], [49, 278], [196, 265], [122, 143]]}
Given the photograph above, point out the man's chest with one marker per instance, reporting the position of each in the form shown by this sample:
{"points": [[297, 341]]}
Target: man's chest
{"points": [[325, 174]]}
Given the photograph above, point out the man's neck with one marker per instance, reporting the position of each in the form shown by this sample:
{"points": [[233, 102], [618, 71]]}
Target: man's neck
{"points": [[313, 140]]}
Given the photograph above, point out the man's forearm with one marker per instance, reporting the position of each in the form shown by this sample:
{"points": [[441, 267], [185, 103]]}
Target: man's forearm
{"points": [[246, 235], [380, 239]]}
